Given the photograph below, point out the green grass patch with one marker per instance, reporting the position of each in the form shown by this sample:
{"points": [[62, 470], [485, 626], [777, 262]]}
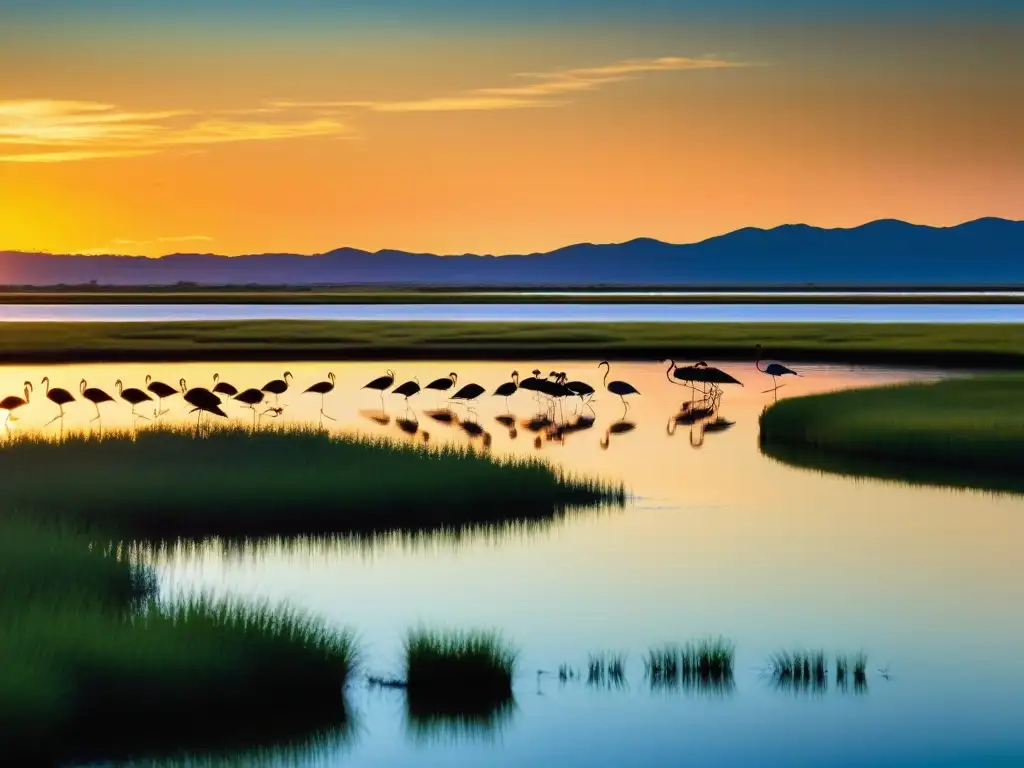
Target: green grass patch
{"points": [[454, 674], [224, 341], [964, 432], [93, 665], [169, 482]]}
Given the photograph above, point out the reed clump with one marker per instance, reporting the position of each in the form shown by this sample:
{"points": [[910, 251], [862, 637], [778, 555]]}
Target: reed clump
{"points": [[169, 482], [702, 665], [458, 672]]}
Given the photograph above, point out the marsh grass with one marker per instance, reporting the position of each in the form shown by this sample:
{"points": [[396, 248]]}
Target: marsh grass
{"points": [[169, 482], [703, 666], [799, 671], [964, 432], [318, 340], [456, 673], [606, 669], [91, 664]]}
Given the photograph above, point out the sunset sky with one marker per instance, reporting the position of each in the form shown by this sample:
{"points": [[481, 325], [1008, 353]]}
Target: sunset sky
{"points": [[240, 126]]}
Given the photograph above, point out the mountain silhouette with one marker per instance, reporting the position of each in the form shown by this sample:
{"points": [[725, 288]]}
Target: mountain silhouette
{"points": [[887, 252]]}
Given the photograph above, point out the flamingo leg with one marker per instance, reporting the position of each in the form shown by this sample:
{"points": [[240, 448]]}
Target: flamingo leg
{"points": [[322, 412]]}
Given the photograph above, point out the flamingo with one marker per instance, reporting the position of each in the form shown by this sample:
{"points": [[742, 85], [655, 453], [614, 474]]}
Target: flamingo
{"points": [[322, 388], [12, 403], [620, 388], [202, 400], [408, 389], [579, 388], [508, 389], [132, 395], [774, 370], [532, 383], [95, 396], [443, 385], [468, 394], [161, 391], [59, 397], [278, 387], [251, 398], [222, 387], [382, 383]]}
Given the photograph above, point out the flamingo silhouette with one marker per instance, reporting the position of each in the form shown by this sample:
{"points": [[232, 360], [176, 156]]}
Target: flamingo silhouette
{"points": [[95, 396], [161, 391], [322, 388], [278, 387], [620, 388], [132, 395], [774, 370], [12, 403], [59, 397]]}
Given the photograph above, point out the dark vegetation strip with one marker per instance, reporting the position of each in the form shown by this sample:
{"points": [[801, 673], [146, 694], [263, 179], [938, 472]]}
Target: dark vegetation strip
{"points": [[377, 295], [166, 483], [94, 665], [965, 432], [223, 341]]}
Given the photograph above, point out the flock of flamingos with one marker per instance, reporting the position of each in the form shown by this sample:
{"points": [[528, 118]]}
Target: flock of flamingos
{"points": [[556, 387]]}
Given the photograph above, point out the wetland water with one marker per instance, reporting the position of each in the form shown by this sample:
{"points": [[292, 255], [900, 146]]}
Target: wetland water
{"points": [[537, 312], [719, 539]]}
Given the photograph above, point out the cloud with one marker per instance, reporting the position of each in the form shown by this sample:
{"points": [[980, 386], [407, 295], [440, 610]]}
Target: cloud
{"points": [[528, 95], [72, 131], [186, 239], [71, 156]]}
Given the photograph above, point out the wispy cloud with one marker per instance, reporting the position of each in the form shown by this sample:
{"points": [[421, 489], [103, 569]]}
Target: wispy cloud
{"points": [[71, 131], [537, 93], [71, 156], [186, 239], [53, 131]]}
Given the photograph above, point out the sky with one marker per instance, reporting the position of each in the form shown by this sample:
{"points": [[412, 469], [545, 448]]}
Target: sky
{"points": [[453, 126]]}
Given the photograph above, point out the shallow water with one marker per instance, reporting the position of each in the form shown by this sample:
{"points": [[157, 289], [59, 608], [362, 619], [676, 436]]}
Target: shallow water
{"points": [[648, 313], [719, 540]]}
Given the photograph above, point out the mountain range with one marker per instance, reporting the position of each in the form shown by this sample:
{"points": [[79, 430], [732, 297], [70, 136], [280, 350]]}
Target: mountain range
{"points": [[986, 251]]}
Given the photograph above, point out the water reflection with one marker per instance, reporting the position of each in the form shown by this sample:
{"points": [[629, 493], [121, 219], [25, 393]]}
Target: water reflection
{"points": [[721, 539], [428, 723], [903, 473], [620, 427], [284, 740]]}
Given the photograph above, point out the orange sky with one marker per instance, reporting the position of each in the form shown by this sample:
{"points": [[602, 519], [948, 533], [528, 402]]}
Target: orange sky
{"points": [[496, 139]]}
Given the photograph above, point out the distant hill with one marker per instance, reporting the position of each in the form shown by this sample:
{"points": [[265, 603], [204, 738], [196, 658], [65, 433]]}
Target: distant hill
{"points": [[888, 252]]}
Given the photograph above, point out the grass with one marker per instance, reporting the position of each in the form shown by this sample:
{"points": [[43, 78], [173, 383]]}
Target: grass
{"points": [[966, 432], [223, 341], [606, 668], [456, 674], [705, 665], [93, 665], [802, 671], [168, 482]]}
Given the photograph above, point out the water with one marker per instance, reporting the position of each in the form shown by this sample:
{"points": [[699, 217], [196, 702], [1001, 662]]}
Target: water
{"points": [[537, 312], [719, 540]]}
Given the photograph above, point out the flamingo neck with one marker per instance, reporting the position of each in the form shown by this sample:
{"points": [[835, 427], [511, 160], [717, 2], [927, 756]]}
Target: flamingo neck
{"points": [[671, 366], [607, 371]]}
